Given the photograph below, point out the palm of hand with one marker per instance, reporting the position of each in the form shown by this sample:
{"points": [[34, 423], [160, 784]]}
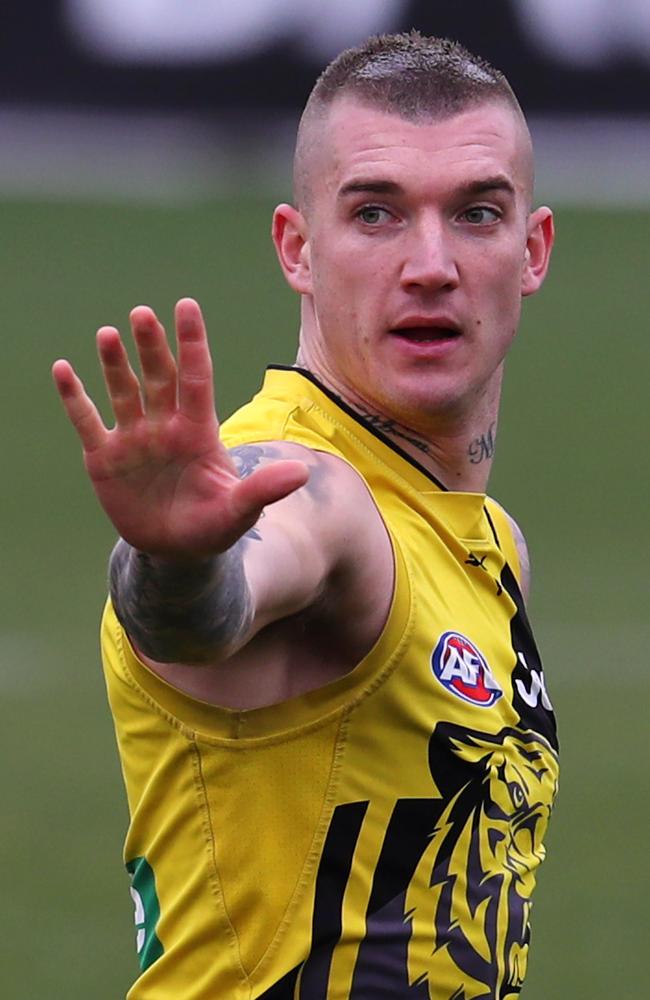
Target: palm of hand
{"points": [[161, 474], [166, 487]]}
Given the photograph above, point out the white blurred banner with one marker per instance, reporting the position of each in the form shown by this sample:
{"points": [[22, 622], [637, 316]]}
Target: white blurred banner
{"points": [[182, 98], [588, 32], [579, 32], [179, 31]]}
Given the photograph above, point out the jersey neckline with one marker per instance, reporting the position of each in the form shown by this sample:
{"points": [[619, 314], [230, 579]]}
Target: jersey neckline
{"points": [[367, 426]]}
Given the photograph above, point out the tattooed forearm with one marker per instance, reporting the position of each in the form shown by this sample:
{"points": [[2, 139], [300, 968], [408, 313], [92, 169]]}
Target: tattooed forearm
{"points": [[197, 611], [191, 613], [393, 429], [482, 447]]}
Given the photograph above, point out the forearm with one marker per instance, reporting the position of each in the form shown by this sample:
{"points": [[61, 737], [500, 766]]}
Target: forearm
{"points": [[181, 612]]}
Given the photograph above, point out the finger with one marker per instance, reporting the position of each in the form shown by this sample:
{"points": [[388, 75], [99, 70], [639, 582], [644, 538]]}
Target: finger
{"points": [[195, 386], [121, 381], [159, 381], [80, 408], [269, 484]]}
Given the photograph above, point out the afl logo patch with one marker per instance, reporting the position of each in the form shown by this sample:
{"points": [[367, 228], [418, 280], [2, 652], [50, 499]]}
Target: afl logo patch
{"points": [[462, 669]]}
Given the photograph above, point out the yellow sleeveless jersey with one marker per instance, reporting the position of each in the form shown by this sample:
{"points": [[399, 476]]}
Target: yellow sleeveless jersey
{"points": [[379, 837]]}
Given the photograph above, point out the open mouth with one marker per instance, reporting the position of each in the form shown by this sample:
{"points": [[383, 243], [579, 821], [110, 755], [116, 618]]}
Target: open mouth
{"points": [[426, 334]]}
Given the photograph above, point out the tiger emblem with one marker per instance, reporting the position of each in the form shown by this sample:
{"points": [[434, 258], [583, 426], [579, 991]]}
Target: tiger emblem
{"points": [[480, 863]]}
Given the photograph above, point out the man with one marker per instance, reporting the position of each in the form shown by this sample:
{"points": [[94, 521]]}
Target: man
{"points": [[339, 752]]}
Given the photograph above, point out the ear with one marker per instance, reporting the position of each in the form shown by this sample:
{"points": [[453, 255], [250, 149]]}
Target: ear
{"points": [[289, 234], [539, 243]]}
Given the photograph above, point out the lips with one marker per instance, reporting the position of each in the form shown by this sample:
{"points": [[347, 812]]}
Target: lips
{"points": [[426, 334]]}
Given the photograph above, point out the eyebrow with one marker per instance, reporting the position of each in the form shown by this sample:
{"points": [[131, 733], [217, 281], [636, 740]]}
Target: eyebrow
{"points": [[473, 188], [498, 183], [370, 187]]}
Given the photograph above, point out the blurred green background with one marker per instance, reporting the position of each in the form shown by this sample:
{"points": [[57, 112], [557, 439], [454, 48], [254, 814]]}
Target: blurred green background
{"points": [[572, 466]]}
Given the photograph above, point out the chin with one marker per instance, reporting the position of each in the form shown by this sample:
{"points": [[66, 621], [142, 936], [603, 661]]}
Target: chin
{"points": [[424, 405]]}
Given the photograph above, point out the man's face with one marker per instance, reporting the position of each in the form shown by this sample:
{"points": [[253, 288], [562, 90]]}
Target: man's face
{"points": [[416, 256]]}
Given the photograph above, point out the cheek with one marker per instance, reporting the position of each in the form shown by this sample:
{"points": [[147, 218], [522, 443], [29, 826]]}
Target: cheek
{"points": [[499, 294], [344, 288], [331, 279]]}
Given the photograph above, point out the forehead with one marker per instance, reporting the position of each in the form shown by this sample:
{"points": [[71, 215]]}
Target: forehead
{"points": [[358, 141]]}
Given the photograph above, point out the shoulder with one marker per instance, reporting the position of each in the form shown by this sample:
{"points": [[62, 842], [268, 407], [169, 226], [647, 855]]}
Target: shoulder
{"points": [[329, 533], [331, 477], [522, 552], [334, 506], [521, 548]]}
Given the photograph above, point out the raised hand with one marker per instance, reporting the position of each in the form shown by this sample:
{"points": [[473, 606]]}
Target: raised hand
{"points": [[161, 473]]}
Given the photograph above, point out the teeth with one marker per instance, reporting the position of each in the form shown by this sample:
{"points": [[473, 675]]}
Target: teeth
{"points": [[425, 335]]}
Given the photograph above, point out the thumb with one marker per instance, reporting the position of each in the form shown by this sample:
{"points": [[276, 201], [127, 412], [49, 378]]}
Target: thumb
{"points": [[268, 485]]}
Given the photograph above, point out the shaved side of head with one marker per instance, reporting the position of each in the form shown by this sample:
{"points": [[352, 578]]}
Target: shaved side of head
{"points": [[410, 75]]}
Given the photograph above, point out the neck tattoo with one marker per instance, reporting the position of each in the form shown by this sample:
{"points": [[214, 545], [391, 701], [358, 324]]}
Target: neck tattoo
{"points": [[482, 448], [383, 424], [393, 429]]}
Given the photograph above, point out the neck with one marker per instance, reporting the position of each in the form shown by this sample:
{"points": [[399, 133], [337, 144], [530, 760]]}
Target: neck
{"points": [[458, 450], [460, 458]]}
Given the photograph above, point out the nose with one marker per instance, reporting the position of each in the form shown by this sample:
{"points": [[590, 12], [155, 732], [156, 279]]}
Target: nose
{"points": [[429, 260]]}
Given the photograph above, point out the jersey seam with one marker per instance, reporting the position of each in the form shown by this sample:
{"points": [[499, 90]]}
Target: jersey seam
{"points": [[314, 852], [310, 404], [215, 881], [143, 694], [355, 697], [345, 407], [253, 742], [499, 514], [378, 678]]}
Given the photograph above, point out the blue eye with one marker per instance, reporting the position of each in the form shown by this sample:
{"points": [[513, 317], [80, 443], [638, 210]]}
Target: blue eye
{"points": [[481, 215], [372, 215]]}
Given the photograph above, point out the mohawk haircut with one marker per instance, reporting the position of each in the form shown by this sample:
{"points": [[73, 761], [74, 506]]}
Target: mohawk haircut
{"points": [[410, 75]]}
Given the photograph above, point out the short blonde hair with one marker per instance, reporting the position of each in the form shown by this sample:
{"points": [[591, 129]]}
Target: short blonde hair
{"points": [[411, 75]]}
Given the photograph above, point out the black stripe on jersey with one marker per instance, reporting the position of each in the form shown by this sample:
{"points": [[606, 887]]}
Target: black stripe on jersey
{"points": [[537, 717], [494, 530], [527, 675], [284, 989], [333, 874], [360, 420], [381, 970], [407, 835]]}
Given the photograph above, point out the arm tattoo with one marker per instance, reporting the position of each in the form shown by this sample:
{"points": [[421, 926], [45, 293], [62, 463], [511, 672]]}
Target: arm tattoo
{"points": [[248, 456], [176, 613], [187, 612], [482, 447]]}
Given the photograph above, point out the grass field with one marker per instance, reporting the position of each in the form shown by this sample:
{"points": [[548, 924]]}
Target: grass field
{"points": [[572, 465]]}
